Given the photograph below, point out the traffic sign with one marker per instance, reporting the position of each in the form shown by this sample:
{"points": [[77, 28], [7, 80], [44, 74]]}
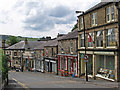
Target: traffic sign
{"points": [[85, 57]]}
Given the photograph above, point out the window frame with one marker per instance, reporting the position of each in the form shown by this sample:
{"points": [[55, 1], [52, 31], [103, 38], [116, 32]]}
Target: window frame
{"points": [[109, 36], [81, 40], [110, 11], [99, 39], [90, 44], [94, 19]]}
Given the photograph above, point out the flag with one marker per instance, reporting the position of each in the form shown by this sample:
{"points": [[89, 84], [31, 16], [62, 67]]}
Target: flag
{"points": [[90, 39]]}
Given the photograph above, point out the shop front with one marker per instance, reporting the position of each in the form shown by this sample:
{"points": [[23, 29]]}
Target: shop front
{"points": [[105, 66], [68, 65], [50, 65], [89, 64]]}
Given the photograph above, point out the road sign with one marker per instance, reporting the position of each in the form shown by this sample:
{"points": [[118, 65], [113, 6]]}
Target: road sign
{"points": [[85, 57], [85, 60]]}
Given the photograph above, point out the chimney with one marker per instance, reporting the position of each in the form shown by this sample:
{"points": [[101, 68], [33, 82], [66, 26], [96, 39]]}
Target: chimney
{"points": [[48, 38], [26, 41]]}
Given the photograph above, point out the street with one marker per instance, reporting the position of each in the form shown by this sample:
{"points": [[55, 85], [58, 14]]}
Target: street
{"points": [[46, 80]]}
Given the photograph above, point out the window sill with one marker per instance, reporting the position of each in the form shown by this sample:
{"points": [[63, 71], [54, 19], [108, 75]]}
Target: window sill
{"points": [[111, 47], [99, 47], [90, 47]]}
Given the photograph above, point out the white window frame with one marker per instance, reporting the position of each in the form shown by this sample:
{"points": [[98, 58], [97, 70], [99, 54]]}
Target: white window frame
{"points": [[90, 43], [81, 23], [98, 35], [82, 40], [109, 13], [110, 34], [94, 19]]}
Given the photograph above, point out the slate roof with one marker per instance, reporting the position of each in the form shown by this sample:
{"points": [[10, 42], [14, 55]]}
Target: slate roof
{"points": [[54, 42], [99, 5], [70, 35], [22, 45]]}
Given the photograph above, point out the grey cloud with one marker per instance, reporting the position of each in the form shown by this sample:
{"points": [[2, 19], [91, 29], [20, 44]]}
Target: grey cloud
{"points": [[46, 18], [60, 11]]}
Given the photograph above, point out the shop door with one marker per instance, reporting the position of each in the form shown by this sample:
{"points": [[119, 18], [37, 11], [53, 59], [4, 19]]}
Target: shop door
{"points": [[90, 65], [50, 67]]}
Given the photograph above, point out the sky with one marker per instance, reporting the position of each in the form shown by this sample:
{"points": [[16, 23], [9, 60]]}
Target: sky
{"points": [[38, 18]]}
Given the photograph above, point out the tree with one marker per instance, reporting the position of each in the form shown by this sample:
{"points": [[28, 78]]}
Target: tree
{"points": [[13, 40], [75, 26]]}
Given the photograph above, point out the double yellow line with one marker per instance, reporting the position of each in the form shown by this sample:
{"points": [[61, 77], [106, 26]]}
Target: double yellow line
{"points": [[23, 85]]}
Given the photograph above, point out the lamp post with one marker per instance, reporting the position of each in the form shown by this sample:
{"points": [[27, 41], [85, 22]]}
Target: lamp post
{"points": [[84, 39]]}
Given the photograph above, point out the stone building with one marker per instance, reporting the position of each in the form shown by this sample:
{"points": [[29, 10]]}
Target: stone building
{"points": [[23, 54], [39, 54], [67, 54], [101, 41], [51, 51]]}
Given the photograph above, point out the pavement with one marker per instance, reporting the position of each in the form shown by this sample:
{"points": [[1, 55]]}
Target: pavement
{"points": [[25, 80]]}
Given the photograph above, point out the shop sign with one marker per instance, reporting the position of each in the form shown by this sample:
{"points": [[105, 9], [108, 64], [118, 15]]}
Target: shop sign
{"points": [[112, 43]]}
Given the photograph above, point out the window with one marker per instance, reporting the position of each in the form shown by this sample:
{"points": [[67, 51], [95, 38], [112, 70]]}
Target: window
{"points": [[94, 19], [15, 53], [90, 44], [110, 37], [71, 47], [82, 40], [65, 63], [110, 13], [81, 23], [101, 61], [99, 39], [110, 62], [52, 51]]}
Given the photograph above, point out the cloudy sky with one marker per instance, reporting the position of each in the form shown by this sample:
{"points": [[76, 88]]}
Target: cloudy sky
{"points": [[38, 18]]}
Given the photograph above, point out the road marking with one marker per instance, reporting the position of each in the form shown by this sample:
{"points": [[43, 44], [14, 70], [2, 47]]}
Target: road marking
{"points": [[23, 85]]}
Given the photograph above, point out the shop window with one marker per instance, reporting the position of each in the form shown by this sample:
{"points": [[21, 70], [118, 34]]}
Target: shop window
{"points": [[111, 37], [90, 65], [65, 63], [60, 62], [68, 64], [110, 62], [74, 63], [82, 40], [94, 19], [99, 39], [90, 44], [110, 13], [101, 61]]}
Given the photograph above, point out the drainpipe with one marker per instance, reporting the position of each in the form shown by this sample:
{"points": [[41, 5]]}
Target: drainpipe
{"points": [[118, 72]]}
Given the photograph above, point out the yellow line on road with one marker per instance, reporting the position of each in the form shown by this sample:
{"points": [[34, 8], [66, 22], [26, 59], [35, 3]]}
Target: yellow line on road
{"points": [[23, 85]]}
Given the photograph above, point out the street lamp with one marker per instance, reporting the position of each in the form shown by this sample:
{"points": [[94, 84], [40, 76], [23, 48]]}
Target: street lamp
{"points": [[84, 39]]}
